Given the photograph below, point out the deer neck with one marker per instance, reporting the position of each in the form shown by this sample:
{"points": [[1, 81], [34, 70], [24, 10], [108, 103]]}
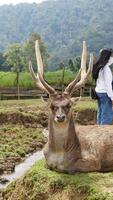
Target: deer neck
{"points": [[62, 136]]}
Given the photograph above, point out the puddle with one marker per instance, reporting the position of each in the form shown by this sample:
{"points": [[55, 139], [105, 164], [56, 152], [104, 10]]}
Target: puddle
{"points": [[21, 169]]}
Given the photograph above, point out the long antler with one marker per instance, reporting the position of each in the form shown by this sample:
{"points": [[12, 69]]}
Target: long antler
{"points": [[38, 78], [83, 73], [77, 83]]}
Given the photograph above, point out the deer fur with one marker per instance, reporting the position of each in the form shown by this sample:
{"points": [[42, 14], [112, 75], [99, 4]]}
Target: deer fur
{"points": [[68, 150]]}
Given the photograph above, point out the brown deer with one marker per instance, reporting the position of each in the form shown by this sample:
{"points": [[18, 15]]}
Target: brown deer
{"points": [[66, 150]]}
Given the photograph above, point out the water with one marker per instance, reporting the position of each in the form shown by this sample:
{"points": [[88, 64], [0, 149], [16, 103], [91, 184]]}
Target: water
{"points": [[21, 168]]}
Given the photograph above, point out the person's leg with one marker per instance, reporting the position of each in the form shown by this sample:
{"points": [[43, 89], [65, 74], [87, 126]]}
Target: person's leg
{"points": [[99, 112], [106, 110]]}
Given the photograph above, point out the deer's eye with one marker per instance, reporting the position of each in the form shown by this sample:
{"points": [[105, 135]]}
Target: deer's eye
{"points": [[67, 107], [54, 108]]}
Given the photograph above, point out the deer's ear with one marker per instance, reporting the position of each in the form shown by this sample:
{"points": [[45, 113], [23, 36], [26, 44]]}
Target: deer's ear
{"points": [[44, 99], [75, 99]]}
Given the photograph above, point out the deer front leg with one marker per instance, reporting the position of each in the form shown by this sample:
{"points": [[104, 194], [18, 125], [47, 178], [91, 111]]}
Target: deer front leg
{"points": [[90, 165], [85, 165]]}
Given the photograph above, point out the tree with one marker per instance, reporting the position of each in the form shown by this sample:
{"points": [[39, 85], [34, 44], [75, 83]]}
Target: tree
{"points": [[74, 64], [61, 66], [14, 59], [29, 50], [77, 63], [2, 60], [71, 65]]}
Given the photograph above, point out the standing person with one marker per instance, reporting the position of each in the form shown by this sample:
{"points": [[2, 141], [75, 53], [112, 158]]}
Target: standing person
{"points": [[103, 76]]}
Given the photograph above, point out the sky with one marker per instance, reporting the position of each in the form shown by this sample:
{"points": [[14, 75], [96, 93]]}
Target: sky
{"points": [[2, 2]]}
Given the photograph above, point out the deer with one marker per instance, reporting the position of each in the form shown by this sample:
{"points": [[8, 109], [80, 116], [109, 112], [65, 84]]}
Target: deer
{"points": [[68, 150]]}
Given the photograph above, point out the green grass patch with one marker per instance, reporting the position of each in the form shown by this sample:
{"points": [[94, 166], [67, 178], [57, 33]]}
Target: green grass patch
{"points": [[21, 103], [40, 183], [8, 79], [86, 103], [83, 104], [55, 78]]}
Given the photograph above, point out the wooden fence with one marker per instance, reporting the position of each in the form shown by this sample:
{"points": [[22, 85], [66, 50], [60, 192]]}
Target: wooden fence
{"points": [[11, 93]]}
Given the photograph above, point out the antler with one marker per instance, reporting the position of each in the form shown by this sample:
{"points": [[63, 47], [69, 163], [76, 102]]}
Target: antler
{"points": [[82, 74], [40, 82]]}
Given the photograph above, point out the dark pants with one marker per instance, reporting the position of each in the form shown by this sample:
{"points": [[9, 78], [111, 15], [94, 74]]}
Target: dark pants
{"points": [[105, 112]]}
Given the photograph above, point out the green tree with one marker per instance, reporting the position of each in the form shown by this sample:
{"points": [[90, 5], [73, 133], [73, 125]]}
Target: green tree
{"points": [[14, 59], [71, 65], [77, 62], [61, 66], [74, 64], [29, 50], [2, 61]]}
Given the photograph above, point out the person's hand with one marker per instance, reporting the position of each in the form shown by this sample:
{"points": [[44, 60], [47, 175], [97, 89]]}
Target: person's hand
{"points": [[112, 102]]}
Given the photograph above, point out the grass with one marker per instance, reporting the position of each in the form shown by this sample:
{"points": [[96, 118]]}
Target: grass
{"points": [[15, 142], [55, 78], [42, 184], [23, 104], [83, 104], [8, 79], [86, 103]]}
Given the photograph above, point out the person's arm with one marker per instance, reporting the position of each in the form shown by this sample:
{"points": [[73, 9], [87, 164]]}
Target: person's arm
{"points": [[108, 82]]}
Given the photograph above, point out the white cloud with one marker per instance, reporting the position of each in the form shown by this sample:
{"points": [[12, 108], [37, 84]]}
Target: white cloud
{"points": [[2, 2]]}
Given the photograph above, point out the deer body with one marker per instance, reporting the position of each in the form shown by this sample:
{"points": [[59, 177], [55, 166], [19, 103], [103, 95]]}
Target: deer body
{"points": [[86, 152], [66, 149]]}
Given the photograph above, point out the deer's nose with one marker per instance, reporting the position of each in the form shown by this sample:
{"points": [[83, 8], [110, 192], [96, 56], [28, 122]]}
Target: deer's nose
{"points": [[60, 118]]}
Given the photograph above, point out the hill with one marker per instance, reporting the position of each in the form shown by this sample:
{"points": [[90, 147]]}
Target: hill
{"points": [[62, 24]]}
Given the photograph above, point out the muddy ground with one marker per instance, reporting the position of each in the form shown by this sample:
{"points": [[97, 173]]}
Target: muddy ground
{"points": [[32, 115]]}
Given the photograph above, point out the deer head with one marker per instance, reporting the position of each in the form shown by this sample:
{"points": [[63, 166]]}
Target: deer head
{"points": [[60, 104]]}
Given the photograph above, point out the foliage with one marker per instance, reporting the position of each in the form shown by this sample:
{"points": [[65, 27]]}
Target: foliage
{"points": [[74, 64], [13, 55], [63, 26], [3, 65], [14, 59], [29, 50], [17, 56]]}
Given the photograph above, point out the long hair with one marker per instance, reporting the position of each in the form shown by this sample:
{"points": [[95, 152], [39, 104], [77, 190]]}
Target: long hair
{"points": [[101, 62]]}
